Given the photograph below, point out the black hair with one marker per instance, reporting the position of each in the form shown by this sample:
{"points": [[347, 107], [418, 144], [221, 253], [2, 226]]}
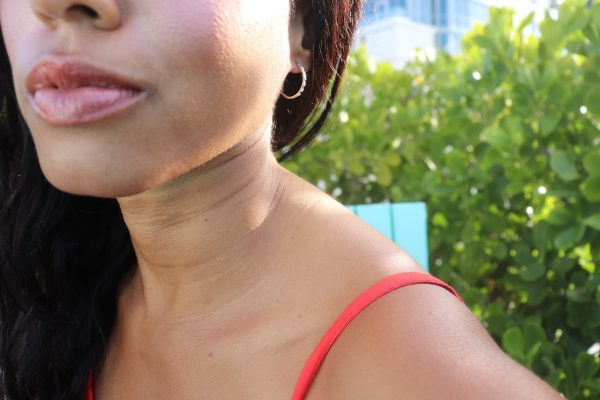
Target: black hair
{"points": [[63, 257]]}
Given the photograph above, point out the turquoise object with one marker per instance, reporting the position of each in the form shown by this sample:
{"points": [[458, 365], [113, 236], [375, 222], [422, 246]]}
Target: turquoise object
{"points": [[403, 223]]}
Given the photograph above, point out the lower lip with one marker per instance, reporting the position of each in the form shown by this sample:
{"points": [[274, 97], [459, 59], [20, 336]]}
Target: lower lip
{"points": [[82, 105]]}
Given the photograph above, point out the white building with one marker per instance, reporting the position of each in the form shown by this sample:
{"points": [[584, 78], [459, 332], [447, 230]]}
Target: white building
{"points": [[393, 29]]}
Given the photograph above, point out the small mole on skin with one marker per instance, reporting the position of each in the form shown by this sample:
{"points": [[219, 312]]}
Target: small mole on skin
{"points": [[299, 315], [205, 219], [210, 354]]}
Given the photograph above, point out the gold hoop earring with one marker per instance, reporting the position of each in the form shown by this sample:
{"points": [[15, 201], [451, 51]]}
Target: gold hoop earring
{"points": [[304, 80]]}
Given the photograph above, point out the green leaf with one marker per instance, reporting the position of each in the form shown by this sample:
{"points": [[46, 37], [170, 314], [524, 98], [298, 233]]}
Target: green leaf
{"points": [[593, 103], [593, 221], [562, 265], [526, 22], [513, 342], [383, 173], [560, 216], [499, 250], [497, 319], [561, 164], [579, 295], [533, 272], [591, 162], [534, 336], [569, 236], [549, 121], [393, 159], [356, 167], [439, 220], [540, 235], [592, 31], [591, 188], [587, 366], [496, 136], [548, 363]]}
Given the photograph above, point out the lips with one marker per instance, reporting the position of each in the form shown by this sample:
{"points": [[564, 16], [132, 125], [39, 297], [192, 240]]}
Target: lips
{"points": [[69, 75], [70, 93]]}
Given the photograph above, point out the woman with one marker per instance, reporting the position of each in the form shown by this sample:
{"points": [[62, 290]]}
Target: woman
{"points": [[151, 246]]}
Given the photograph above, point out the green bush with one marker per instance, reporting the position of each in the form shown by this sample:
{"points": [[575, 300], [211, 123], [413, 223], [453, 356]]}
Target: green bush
{"points": [[503, 144]]}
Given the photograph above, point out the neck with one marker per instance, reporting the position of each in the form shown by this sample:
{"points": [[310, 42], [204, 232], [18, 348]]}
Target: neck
{"points": [[200, 238]]}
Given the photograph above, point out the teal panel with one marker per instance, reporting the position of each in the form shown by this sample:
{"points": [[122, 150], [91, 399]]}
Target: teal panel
{"points": [[409, 222], [378, 216]]}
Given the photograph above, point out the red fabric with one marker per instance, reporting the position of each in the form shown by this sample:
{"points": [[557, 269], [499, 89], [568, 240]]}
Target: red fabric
{"points": [[89, 393], [358, 304]]}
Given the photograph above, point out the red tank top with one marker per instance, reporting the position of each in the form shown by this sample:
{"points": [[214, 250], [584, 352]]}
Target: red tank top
{"points": [[358, 304]]}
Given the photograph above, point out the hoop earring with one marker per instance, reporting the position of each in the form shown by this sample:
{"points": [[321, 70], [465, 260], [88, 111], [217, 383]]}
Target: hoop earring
{"points": [[304, 80]]}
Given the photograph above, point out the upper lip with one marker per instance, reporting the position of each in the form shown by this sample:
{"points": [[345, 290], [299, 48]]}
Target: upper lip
{"points": [[74, 74]]}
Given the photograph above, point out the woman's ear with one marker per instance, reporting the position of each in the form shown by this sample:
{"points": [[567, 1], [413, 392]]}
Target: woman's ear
{"points": [[302, 35]]}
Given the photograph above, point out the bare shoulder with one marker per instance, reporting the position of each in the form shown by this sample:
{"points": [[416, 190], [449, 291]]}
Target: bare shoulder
{"points": [[416, 342], [339, 244], [421, 342]]}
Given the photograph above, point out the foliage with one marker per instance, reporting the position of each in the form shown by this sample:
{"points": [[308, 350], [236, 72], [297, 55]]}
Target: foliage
{"points": [[503, 144]]}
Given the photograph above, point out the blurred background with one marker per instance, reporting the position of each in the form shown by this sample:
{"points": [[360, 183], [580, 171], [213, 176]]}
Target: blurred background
{"points": [[491, 118], [392, 29]]}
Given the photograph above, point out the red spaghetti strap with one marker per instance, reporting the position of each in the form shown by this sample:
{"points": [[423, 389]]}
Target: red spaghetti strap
{"points": [[89, 392], [363, 300]]}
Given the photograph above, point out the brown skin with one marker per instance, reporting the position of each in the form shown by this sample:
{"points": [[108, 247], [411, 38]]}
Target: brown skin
{"points": [[242, 266]]}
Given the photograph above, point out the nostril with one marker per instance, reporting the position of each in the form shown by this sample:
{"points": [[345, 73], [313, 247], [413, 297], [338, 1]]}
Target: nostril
{"points": [[90, 12]]}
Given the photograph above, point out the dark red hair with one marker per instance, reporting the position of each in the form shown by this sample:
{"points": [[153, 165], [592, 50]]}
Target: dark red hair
{"points": [[298, 121]]}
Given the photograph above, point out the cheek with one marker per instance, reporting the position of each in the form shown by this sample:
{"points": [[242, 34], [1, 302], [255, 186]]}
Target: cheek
{"points": [[221, 62], [258, 32], [24, 37], [14, 22], [225, 45]]}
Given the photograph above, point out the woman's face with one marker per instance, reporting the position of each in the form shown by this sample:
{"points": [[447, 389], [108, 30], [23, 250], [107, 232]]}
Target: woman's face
{"points": [[213, 68]]}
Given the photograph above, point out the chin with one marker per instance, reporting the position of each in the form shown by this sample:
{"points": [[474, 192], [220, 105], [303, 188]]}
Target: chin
{"points": [[105, 188], [87, 180]]}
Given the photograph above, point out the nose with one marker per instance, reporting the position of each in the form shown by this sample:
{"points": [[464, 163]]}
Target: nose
{"points": [[103, 14]]}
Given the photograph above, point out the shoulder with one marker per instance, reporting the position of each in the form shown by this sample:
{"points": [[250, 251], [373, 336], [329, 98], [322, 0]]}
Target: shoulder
{"points": [[421, 342]]}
